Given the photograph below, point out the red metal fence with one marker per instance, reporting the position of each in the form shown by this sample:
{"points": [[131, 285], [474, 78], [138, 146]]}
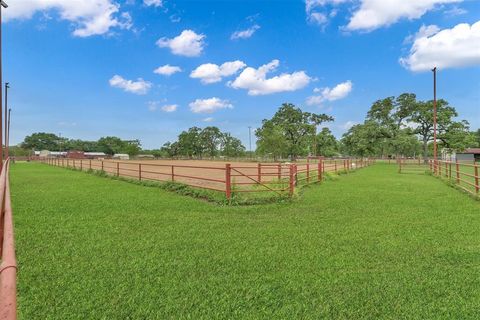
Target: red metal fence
{"points": [[230, 178], [464, 175], [8, 267]]}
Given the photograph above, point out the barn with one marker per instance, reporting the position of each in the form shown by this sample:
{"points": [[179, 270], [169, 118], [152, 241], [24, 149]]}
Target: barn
{"points": [[470, 154]]}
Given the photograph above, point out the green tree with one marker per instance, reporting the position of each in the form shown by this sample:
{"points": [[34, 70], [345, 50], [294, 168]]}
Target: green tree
{"points": [[297, 128], [327, 144], [362, 139], [231, 146], [43, 141], [271, 141], [211, 138], [110, 145], [189, 143]]}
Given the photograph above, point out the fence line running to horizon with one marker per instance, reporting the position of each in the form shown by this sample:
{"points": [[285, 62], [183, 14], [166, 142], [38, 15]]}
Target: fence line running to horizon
{"points": [[8, 267], [275, 178]]}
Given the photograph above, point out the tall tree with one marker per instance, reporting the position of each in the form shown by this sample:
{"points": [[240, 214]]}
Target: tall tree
{"points": [[231, 146], [327, 144], [297, 127], [43, 141]]}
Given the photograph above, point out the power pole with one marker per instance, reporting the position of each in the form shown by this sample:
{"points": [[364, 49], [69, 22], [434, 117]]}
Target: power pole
{"points": [[4, 5], [250, 140], [435, 116], [7, 86]]}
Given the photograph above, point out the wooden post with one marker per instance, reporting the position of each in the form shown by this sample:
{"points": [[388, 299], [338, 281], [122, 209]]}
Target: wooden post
{"points": [[477, 187], [90, 164], [173, 173], [102, 164], [228, 181], [118, 169], [450, 170], [140, 171], [457, 168], [81, 164], [292, 180], [259, 172], [68, 165], [320, 170], [399, 166], [279, 169], [308, 172], [335, 162]]}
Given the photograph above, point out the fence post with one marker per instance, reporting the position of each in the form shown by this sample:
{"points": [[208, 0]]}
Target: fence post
{"points": [[90, 164], [457, 167], [173, 173], [140, 171], [308, 172], [228, 181], [279, 171], [74, 166], [259, 172], [291, 181], [68, 165], [118, 169], [102, 165], [477, 187], [335, 162], [399, 166], [450, 170], [81, 165], [320, 170]]}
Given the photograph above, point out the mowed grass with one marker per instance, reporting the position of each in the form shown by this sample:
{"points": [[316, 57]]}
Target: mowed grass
{"points": [[374, 244]]}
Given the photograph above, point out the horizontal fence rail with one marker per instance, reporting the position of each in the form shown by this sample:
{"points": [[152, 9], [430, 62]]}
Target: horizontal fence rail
{"points": [[277, 178], [463, 175], [8, 267]]}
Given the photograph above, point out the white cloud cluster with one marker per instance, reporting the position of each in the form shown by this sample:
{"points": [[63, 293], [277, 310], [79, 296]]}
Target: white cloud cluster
{"points": [[456, 47], [169, 108], [138, 87], [209, 105], [95, 18], [245, 34], [211, 73], [188, 43], [154, 3], [257, 83], [338, 92], [374, 14], [167, 70], [317, 11]]}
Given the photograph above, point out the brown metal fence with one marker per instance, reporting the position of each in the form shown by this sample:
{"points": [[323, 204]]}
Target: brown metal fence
{"points": [[8, 267], [279, 178], [462, 174]]}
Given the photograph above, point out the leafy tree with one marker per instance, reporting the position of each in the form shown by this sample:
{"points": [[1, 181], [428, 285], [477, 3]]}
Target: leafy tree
{"points": [[362, 139], [327, 144], [43, 141], [231, 146], [271, 141], [110, 145], [296, 127], [210, 138], [189, 142]]}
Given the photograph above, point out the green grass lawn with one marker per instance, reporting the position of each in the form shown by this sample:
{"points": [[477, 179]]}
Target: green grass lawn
{"points": [[369, 245]]}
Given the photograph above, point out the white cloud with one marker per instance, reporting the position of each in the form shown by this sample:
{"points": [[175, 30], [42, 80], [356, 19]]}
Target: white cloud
{"points": [[138, 87], [257, 83], [208, 119], [188, 44], [448, 48], [245, 34], [374, 14], [211, 73], [167, 70], [318, 11], [170, 108], [155, 3], [338, 92], [455, 11], [347, 125], [209, 105], [95, 18]]}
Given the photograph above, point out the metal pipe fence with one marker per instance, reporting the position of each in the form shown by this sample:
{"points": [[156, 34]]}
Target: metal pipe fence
{"points": [[8, 267], [463, 175], [278, 178]]}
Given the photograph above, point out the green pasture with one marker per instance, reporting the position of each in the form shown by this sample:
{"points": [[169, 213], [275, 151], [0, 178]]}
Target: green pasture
{"points": [[373, 244]]}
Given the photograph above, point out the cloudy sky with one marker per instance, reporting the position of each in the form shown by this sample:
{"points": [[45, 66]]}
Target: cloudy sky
{"points": [[148, 69]]}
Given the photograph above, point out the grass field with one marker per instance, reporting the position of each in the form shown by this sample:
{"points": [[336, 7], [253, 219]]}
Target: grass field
{"points": [[373, 244]]}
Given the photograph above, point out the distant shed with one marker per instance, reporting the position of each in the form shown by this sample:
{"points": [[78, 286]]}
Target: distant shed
{"points": [[470, 154], [121, 156]]}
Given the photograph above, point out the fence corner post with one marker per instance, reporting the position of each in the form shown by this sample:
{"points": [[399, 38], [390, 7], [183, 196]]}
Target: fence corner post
{"points": [[292, 179], [259, 172], [228, 181]]}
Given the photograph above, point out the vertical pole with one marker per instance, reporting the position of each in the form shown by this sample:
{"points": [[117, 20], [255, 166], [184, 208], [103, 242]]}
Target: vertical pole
{"points": [[259, 173], [90, 164], [320, 170], [140, 171], [102, 164], [68, 163], [457, 167], [74, 167], [477, 187], [279, 172], [446, 170], [173, 173], [81, 164], [291, 181], [1, 82], [228, 181], [308, 172], [118, 169], [335, 162], [450, 170], [6, 120], [435, 114]]}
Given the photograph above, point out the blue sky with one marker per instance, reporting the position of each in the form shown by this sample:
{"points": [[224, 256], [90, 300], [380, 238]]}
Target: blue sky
{"points": [[88, 72]]}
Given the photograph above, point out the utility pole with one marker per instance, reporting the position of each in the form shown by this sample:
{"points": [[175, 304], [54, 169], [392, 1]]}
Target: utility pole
{"points": [[8, 129], [2, 5], [435, 117], [7, 86], [250, 140]]}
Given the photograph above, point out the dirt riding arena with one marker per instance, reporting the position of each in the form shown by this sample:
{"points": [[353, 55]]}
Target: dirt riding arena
{"points": [[210, 174]]}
